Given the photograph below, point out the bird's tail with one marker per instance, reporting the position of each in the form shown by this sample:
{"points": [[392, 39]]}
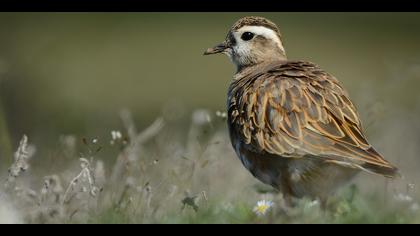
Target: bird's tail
{"points": [[387, 171]]}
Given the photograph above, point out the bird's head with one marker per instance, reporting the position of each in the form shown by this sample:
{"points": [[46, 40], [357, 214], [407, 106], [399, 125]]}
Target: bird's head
{"points": [[250, 41]]}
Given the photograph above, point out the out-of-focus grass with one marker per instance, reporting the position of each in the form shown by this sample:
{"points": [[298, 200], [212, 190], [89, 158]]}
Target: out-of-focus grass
{"points": [[76, 69], [5, 145], [157, 178], [360, 211]]}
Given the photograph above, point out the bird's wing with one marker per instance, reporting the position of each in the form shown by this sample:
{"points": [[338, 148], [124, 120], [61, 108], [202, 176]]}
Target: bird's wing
{"points": [[298, 110]]}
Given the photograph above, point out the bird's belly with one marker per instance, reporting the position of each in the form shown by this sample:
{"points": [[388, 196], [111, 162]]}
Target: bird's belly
{"points": [[298, 177], [261, 168]]}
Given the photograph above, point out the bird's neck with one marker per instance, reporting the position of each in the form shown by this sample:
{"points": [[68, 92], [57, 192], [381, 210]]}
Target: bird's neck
{"points": [[258, 67]]}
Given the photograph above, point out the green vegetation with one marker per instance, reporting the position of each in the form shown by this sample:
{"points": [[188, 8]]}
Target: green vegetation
{"points": [[5, 145], [191, 180]]}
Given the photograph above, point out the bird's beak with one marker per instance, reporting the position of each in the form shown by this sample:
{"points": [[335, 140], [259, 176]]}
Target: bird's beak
{"points": [[216, 49]]}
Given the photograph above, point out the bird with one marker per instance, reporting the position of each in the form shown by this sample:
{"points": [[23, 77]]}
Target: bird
{"points": [[291, 123]]}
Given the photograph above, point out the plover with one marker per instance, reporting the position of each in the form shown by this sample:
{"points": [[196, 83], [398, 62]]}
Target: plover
{"points": [[292, 124]]}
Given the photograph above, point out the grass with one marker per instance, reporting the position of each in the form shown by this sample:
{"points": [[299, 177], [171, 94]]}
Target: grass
{"points": [[5, 145], [199, 182], [365, 211]]}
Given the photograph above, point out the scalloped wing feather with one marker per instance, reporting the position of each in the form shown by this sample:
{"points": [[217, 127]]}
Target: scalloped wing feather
{"points": [[296, 110]]}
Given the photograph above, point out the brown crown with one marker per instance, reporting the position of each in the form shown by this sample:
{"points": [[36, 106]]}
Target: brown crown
{"points": [[256, 21]]}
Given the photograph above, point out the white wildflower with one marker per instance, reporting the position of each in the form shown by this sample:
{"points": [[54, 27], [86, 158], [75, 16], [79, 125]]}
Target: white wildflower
{"points": [[116, 135], [262, 207]]}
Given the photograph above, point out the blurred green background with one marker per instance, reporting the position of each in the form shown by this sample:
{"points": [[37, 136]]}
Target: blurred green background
{"points": [[71, 73]]}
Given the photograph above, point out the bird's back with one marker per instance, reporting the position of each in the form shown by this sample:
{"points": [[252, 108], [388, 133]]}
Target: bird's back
{"points": [[296, 110]]}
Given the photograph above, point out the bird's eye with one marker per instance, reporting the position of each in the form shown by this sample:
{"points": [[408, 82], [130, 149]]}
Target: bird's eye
{"points": [[246, 36]]}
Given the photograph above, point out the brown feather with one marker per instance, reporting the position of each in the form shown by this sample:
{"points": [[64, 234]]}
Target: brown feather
{"points": [[295, 109]]}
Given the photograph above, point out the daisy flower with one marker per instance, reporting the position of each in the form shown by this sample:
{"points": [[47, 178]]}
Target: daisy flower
{"points": [[262, 207]]}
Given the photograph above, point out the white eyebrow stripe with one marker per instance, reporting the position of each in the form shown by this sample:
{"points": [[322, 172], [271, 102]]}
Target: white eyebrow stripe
{"points": [[264, 31]]}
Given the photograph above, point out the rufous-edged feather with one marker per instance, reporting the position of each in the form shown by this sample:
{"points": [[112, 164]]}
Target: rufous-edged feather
{"points": [[294, 109]]}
